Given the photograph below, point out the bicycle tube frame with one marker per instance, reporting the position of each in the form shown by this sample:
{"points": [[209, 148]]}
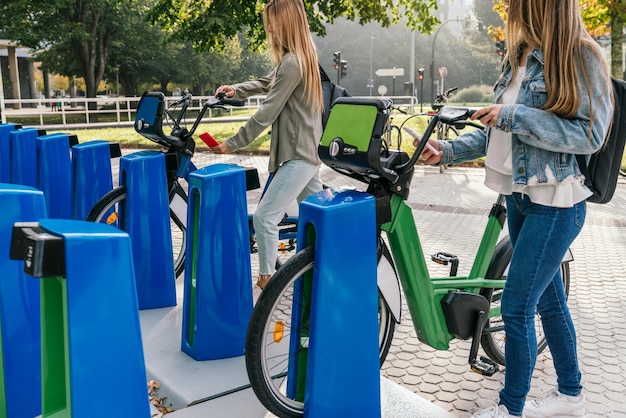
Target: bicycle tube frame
{"points": [[423, 294]]}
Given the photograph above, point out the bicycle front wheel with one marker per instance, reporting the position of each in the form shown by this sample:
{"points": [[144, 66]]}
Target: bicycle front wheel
{"points": [[107, 210], [493, 341], [268, 344]]}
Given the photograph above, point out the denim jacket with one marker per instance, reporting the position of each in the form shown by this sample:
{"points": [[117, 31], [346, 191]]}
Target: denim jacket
{"points": [[544, 144]]}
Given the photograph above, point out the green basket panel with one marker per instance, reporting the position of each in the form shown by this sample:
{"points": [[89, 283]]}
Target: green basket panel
{"points": [[353, 123]]}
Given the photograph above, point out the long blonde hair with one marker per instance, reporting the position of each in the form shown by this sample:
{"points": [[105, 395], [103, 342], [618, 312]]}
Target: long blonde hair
{"points": [[289, 33], [556, 28]]}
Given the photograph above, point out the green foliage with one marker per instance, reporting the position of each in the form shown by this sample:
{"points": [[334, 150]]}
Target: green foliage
{"points": [[474, 94], [209, 24]]}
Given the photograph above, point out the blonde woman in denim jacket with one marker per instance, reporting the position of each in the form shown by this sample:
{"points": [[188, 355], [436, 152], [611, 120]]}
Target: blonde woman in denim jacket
{"points": [[293, 108], [553, 100]]}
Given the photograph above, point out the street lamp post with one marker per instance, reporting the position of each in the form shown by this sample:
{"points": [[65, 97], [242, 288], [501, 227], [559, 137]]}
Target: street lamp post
{"points": [[432, 60]]}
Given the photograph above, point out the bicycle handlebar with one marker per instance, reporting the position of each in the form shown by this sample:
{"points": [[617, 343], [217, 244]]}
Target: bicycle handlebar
{"points": [[450, 115], [219, 102], [151, 112]]}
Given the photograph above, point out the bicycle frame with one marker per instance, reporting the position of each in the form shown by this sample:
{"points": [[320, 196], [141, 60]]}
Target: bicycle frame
{"points": [[441, 308], [423, 294]]}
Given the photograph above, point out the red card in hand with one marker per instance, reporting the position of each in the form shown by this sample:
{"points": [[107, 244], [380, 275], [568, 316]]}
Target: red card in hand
{"points": [[209, 140]]}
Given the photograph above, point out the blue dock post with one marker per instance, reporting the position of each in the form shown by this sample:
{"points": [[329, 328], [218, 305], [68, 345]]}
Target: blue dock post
{"points": [[23, 144], [20, 341], [90, 330], [146, 219], [91, 175], [54, 176], [343, 350], [5, 152], [217, 299]]}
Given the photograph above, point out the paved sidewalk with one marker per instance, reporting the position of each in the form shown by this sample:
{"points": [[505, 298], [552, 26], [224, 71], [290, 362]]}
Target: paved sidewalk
{"points": [[450, 210]]}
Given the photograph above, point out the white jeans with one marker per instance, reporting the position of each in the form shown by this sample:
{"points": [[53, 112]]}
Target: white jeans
{"points": [[295, 179]]}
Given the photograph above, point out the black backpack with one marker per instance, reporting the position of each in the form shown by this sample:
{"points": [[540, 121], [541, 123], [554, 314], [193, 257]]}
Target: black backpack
{"points": [[331, 91], [603, 169]]}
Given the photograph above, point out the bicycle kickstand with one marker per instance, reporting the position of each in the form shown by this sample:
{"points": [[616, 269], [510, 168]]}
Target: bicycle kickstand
{"points": [[484, 365]]}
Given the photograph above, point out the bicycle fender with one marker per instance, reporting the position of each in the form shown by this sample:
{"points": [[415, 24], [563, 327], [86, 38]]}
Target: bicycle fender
{"points": [[389, 287]]}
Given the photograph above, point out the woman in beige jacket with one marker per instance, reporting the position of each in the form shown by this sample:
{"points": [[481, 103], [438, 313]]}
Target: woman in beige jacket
{"points": [[293, 108]]}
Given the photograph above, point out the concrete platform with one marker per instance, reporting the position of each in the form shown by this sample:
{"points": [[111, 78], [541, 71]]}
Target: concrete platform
{"points": [[220, 388]]}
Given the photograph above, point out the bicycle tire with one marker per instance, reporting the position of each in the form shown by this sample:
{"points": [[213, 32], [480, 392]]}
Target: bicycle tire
{"points": [[107, 210], [267, 357], [493, 342]]}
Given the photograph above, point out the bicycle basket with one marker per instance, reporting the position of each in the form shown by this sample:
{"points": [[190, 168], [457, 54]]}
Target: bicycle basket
{"points": [[352, 140], [149, 119]]}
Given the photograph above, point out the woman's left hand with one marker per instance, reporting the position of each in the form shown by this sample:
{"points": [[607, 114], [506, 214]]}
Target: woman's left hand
{"points": [[488, 116], [220, 149]]}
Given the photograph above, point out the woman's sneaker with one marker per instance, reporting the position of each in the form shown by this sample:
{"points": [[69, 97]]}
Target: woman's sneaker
{"points": [[555, 405], [499, 411]]}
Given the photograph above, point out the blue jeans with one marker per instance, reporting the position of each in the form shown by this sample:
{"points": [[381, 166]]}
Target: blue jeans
{"points": [[294, 180], [540, 236]]}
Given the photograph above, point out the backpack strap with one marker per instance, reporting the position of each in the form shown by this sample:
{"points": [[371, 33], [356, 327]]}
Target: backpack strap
{"points": [[323, 74], [582, 165]]}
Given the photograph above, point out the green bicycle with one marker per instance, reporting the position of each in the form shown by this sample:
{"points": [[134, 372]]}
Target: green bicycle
{"points": [[441, 308]]}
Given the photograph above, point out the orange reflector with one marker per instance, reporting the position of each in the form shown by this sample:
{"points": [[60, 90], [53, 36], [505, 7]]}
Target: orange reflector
{"points": [[279, 330], [282, 247], [112, 218]]}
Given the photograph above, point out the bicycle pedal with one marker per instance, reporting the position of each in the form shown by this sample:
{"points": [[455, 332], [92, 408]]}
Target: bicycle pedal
{"points": [[446, 258], [443, 258], [485, 366]]}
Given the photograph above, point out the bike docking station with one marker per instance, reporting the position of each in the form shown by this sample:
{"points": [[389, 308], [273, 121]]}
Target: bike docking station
{"points": [[345, 295], [23, 156], [145, 217], [90, 330], [5, 151], [91, 174], [20, 339], [43, 161], [72, 183], [217, 301]]}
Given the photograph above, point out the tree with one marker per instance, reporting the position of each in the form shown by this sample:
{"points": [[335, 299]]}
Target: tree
{"points": [[85, 28], [603, 18], [209, 24]]}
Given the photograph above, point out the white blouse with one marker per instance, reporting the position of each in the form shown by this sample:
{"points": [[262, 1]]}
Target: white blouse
{"points": [[498, 166]]}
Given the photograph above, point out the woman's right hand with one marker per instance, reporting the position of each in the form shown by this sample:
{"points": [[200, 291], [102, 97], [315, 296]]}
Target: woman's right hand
{"points": [[228, 90], [431, 154]]}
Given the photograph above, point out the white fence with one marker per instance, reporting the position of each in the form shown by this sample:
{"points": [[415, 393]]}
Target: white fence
{"points": [[61, 113]]}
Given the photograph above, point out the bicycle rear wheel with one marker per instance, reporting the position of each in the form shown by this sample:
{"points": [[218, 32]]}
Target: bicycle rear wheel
{"points": [[268, 342], [493, 342], [107, 210]]}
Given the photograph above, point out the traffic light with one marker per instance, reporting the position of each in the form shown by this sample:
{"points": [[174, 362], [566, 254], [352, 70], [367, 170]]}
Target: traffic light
{"points": [[344, 68], [501, 47], [420, 73], [337, 59]]}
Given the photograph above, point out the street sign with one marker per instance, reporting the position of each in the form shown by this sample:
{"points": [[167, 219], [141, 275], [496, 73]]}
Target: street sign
{"points": [[390, 72], [382, 90]]}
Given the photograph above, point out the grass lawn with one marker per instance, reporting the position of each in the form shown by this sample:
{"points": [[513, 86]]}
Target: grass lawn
{"points": [[127, 137]]}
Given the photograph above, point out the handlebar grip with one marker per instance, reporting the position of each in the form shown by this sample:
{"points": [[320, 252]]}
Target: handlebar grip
{"points": [[233, 102]]}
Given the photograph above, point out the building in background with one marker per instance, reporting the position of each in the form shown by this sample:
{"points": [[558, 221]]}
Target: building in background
{"points": [[17, 72]]}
